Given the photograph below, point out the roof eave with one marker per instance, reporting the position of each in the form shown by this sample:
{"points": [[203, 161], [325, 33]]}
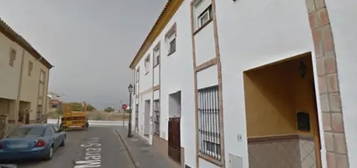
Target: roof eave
{"points": [[12, 35], [169, 10]]}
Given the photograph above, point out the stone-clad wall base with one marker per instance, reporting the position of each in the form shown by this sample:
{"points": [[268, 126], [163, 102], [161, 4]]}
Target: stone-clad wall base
{"points": [[290, 151]]}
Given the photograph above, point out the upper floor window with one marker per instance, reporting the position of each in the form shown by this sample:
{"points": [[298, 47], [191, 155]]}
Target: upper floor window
{"points": [[12, 57], [157, 55], [147, 64], [205, 17], [172, 46], [137, 75], [171, 40], [202, 13], [42, 76], [30, 68]]}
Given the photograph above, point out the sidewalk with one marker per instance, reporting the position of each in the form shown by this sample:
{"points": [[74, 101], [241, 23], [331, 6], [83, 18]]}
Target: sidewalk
{"points": [[143, 154]]}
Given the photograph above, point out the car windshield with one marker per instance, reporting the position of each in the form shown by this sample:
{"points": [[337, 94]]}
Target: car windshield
{"points": [[27, 132]]}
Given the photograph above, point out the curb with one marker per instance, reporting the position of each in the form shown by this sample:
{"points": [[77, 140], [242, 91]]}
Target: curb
{"points": [[126, 146]]}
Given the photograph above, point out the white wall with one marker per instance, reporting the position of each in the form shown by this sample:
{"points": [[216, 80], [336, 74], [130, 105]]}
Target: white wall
{"points": [[176, 75], [205, 46], [207, 77], [344, 28], [156, 95], [205, 164], [156, 75], [144, 90], [253, 33]]}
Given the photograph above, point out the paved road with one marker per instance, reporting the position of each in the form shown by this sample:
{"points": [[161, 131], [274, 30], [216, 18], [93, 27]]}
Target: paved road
{"points": [[97, 146]]}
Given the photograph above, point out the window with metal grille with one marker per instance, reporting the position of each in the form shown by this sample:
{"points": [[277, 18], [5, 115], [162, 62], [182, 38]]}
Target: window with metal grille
{"points": [[157, 117], [147, 64], [205, 17], [209, 123], [172, 46], [171, 40], [157, 55]]}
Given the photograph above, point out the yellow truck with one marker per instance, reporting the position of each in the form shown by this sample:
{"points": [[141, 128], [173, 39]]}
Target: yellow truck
{"points": [[74, 119]]}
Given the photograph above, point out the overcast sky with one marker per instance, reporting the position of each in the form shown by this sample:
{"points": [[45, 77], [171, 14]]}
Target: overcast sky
{"points": [[90, 42]]}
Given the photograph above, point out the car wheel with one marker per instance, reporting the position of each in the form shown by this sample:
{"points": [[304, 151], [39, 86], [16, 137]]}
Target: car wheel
{"points": [[50, 154]]}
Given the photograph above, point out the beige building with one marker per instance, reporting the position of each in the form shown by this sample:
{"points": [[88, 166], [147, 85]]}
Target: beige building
{"points": [[24, 75]]}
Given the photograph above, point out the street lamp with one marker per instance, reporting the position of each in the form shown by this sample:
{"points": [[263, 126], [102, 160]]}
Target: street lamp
{"points": [[130, 88]]}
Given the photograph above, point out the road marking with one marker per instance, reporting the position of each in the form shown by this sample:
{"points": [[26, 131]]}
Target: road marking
{"points": [[93, 156]]}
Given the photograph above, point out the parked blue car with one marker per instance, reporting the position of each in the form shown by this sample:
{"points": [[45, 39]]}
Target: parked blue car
{"points": [[31, 142]]}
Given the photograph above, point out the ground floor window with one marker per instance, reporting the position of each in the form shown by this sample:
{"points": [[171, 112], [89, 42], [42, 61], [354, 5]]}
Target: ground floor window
{"points": [[137, 117], [157, 117], [209, 122]]}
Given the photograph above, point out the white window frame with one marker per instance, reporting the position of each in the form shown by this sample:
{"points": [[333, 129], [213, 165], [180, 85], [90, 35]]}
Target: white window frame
{"points": [[157, 55], [207, 15], [209, 122], [171, 39], [147, 64]]}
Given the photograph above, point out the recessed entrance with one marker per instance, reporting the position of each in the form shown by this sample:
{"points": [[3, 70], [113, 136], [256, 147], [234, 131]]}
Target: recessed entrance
{"points": [[24, 112], [174, 148], [147, 118], [282, 122], [4, 112]]}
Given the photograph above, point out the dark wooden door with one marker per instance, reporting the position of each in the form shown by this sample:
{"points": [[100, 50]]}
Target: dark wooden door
{"points": [[174, 149]]}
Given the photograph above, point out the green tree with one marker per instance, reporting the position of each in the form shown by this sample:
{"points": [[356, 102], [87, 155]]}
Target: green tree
{"points": [[109, 109], [91, 107]]}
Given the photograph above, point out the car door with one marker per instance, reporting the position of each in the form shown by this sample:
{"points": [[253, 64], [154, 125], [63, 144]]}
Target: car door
{"points": [[57, 136], [50, 134]]}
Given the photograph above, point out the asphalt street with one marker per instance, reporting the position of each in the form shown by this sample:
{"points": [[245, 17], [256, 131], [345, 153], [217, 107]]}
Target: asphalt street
{"points": [[96, 147]]}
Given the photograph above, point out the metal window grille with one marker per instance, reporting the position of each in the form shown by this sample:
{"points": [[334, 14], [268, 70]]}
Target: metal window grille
{"points": [[147, 64], [157, 55], [137, 117], [172, 46], [205, 16], [209, 123], [157, 117]]}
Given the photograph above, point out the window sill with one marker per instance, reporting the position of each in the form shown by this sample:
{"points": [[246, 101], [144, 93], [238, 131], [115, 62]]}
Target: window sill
{"points": [[202, 27], [210, 159], [171, 53]]}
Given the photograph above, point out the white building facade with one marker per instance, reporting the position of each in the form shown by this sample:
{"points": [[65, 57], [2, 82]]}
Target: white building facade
{"points": [[249, 84]]}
